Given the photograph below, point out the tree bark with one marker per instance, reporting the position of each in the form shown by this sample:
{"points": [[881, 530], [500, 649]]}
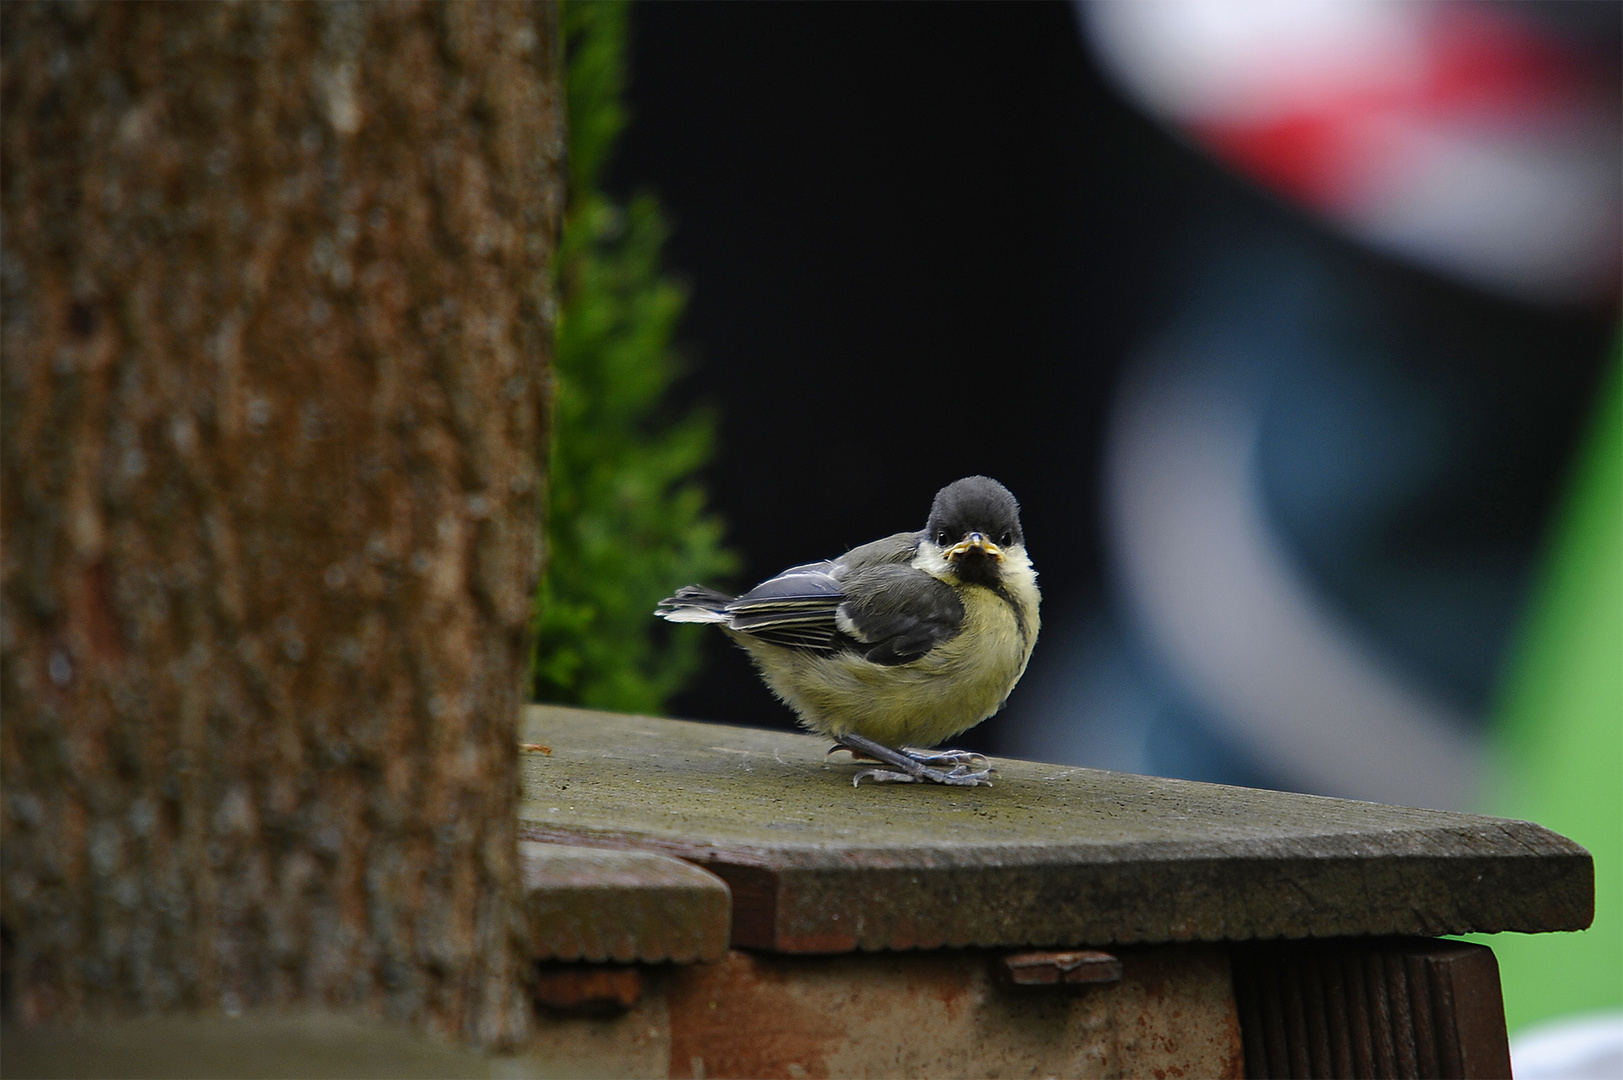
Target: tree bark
{"points": [[276, 335]]}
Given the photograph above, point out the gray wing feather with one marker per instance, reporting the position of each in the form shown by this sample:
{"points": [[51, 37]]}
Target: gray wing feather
{"points": [[870, 599], [897, 613], [898, 548], [795, 608]]}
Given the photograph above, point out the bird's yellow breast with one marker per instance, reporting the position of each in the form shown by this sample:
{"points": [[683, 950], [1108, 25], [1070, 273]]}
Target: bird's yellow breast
{"points": [[922, 703]]}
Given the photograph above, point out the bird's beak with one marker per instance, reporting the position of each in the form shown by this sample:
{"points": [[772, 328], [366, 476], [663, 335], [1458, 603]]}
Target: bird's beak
{"points": [[973, 542]]}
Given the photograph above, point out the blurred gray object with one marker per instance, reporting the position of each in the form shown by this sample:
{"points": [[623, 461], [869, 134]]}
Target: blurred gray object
{"points": [[1572, 1048]]}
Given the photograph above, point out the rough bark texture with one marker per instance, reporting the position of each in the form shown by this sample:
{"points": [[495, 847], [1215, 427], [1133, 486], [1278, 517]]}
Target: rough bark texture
{"points": [[275, 333]]}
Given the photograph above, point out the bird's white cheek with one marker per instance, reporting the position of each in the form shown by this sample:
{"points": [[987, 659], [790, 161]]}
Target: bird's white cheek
{"points": [[931, 561]]}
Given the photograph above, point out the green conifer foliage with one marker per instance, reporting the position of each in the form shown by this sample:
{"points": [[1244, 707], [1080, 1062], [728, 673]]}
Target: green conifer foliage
{"points": [[626, 522]]}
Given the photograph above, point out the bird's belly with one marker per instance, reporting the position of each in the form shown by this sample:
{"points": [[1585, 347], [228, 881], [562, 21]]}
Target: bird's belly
{"points": [[922, 703]]}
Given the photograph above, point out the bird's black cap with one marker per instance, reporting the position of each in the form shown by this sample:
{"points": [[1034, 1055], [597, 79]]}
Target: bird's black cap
{"points": [[975, 504]]}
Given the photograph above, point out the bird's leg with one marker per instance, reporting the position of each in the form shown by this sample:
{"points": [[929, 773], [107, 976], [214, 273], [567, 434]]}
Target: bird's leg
{"points": [[856, 755], [921, 755], [912, 770]]}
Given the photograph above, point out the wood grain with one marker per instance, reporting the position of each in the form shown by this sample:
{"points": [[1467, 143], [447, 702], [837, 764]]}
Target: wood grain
{"points": [[1370, 1008], [1049, 856], [598, 905]]}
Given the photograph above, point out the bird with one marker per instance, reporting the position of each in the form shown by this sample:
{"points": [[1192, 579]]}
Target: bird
{"points": [[900, 644]]}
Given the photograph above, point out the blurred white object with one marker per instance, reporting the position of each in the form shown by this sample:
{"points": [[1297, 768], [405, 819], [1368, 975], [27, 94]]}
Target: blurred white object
{"points": [[1460, 135], [1572, 1048]]}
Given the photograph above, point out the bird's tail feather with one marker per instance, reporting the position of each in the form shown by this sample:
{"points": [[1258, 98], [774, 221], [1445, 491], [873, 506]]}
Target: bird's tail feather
{"points": [[695, 604]]}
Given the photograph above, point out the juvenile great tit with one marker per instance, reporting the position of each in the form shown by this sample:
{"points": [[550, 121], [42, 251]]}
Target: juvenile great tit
{"points": [[898, 644]]}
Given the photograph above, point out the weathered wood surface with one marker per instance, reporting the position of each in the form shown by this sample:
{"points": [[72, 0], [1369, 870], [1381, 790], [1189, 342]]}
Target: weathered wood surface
{"points": [[596, 904], [950, 1013], [1051, 855], [1381, 1007]]}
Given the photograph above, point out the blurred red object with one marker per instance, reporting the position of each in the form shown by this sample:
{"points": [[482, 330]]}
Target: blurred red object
{"points": [[1467, 137]]}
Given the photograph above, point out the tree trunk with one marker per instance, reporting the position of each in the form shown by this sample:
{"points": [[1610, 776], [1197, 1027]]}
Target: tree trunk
{"points": [[276, 332]]}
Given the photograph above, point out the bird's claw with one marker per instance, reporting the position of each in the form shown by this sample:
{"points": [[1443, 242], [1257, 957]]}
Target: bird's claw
{"points": [[960, 776], [882, 776], [948, 757], [911, 765], [971, 758]]}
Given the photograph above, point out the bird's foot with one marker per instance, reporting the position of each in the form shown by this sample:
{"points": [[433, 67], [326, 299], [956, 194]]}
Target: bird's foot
{"points": [[974, 760], [948, 757], [960, 776], [913, 766]]}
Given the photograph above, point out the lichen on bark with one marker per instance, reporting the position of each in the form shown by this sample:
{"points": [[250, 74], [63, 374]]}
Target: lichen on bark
{"points": [[276, 331]]}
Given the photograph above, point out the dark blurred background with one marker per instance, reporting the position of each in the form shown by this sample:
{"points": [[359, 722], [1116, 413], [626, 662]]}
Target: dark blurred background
{"points": [[1292, 325], [908, 264], [928, 241]]}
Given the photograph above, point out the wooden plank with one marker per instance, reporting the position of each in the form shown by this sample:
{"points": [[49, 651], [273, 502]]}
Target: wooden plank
{"points": [[1050, 856], [1428, 1009], [598, 905]]}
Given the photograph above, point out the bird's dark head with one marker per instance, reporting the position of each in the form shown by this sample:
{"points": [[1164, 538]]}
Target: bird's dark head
{"points": [[976, 524]]}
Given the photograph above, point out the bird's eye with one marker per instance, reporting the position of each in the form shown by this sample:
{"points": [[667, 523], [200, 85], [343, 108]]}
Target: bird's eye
{"points": [[1006, 538], [942, 536]]}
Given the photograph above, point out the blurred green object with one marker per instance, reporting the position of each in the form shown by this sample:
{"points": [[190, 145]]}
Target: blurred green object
{"points": [[1559, 731], [626, 522]]}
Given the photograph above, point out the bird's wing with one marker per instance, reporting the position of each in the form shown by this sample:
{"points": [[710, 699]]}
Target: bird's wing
{"points": [[799, 606], [869, 599], [795, 608], [897, 548], [895, 614]]}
